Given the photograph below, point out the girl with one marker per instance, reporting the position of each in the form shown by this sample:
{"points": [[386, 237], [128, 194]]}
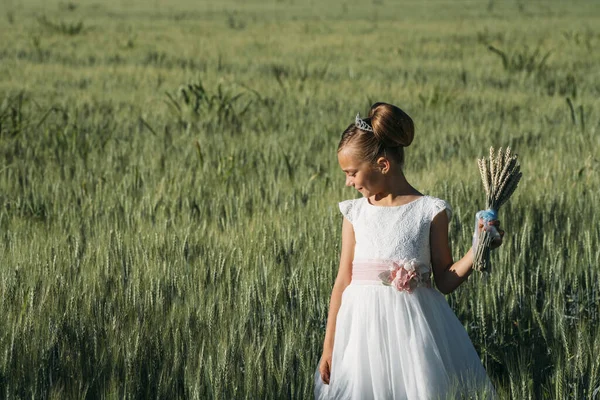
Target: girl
{"points": [[389, 334]]}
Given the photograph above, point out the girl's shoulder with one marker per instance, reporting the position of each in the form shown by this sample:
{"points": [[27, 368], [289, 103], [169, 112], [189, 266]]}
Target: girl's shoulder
{"points": [[350, 208], [435, 205]]}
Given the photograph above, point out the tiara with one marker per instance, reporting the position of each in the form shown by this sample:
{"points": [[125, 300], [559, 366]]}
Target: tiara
{"points": [[360, 124]]}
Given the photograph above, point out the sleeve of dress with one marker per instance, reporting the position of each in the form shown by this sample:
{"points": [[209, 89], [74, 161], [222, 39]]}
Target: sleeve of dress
{"points": [[346, 209], [439, 205]]}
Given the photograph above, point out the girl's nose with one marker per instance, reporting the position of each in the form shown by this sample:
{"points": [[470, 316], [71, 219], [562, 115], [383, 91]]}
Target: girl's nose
{"points": [[348, 181]]}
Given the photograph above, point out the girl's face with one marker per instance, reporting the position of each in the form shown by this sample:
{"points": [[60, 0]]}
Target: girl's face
{"points": [[363, 176]]}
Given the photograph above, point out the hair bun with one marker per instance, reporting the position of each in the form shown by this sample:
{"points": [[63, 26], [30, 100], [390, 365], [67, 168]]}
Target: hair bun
{"points": [[391, 126]]}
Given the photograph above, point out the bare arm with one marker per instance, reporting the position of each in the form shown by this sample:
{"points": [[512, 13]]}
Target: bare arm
{"points": [[448, 274], [342, 280]]}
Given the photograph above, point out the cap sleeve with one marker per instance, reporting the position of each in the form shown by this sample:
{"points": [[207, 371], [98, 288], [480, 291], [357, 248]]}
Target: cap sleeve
{"points": [[346, 207], [437, 206]]}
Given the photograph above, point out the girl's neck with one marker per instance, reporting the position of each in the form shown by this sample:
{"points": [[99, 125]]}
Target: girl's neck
{"points": [[396, 191]]}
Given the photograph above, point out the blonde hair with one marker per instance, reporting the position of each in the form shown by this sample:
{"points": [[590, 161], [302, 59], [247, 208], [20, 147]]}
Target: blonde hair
{"points": [[393, 130]]}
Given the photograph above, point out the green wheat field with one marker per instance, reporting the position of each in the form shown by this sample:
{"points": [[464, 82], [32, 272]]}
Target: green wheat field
{"points": [[169, 185]]}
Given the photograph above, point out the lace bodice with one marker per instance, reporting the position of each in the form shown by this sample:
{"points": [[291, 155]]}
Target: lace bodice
{"points": [[393, 233]]}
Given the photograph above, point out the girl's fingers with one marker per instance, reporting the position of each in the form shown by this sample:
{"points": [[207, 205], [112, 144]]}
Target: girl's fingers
{"points": [[498, 241], [325, 372], [482, 223]]}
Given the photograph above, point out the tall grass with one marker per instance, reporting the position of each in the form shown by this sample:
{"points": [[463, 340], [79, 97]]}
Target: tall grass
{"points": [[169, 224]]}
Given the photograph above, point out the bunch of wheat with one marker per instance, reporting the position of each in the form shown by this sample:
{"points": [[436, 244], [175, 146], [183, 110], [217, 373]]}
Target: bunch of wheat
{"points": [[500, 176]]}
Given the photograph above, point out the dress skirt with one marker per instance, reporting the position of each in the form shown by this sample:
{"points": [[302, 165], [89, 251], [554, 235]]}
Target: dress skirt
{"points": [[392, 344]]}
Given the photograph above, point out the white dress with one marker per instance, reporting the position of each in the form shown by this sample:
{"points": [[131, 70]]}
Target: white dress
{"points": [[398, 341]]}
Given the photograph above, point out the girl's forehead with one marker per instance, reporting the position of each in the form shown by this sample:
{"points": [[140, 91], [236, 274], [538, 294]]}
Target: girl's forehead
{"points": [[348, 159]]}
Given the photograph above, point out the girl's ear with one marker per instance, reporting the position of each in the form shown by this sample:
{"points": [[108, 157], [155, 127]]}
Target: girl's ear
{"points": [[383, 164]]}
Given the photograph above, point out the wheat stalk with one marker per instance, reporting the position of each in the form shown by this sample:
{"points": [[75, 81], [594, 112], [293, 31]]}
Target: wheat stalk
{"points": [[500, 175]]}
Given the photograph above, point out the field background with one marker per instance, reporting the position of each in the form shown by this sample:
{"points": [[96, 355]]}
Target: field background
{"points": [[169, 185]]}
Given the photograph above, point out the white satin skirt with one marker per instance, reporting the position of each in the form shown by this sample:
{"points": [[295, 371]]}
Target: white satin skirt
{"points": [[392, 344]]}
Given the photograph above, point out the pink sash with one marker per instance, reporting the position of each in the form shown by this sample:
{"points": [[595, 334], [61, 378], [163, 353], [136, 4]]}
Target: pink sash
{"points": [[369, 270], [404, 275]]}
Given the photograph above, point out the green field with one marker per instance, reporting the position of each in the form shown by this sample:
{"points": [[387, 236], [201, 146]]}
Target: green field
{"points": [[169, 185]]}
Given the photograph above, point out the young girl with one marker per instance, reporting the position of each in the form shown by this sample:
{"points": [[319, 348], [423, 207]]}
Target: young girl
{"points": [[389, 334]]}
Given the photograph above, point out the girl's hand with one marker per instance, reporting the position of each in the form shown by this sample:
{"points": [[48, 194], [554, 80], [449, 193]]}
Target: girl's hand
{"points": [[325, 366], [497, 241]]}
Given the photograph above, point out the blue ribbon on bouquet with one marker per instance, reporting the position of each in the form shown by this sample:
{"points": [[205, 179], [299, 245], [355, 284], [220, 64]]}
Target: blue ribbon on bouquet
{"points": [[487, 215]]}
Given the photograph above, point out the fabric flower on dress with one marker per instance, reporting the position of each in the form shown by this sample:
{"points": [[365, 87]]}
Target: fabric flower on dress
{"points": [[406, 275]]}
